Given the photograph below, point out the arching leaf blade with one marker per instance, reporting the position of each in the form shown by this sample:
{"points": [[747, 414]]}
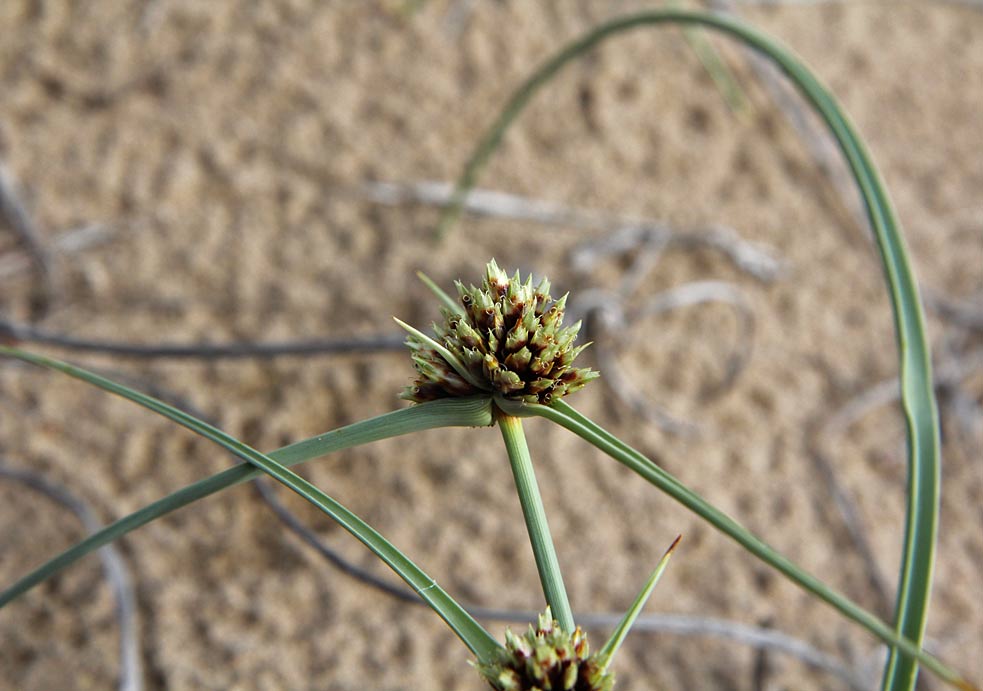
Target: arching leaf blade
{"points": [[473, 635], [918, 398]]}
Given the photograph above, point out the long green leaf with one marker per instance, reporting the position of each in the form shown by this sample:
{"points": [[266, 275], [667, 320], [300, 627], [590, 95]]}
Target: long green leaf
{"points": [[463, 412], [918, 397], [564, 415], [451, 359], [621, 632], [442, 295], [473, 635]]}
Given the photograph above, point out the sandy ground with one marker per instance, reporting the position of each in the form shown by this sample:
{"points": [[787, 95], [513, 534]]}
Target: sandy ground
{"points": [[224, 148]]}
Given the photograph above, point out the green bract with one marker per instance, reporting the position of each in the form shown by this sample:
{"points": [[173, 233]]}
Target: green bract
{"points": [[547, 657], [507, 338]]}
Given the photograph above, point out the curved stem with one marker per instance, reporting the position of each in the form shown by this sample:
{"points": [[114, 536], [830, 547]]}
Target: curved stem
{"points": [[567, 417], [535, 515], [918, 398]]}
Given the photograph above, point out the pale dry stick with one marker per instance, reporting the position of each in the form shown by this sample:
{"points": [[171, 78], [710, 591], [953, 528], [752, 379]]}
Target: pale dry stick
{"points": [[604, 316], [753, 258], [647, 249], [457, 16], [879, 395], [820, 144], [14, 214], [368, 345], [645, 246], [967, 314], [585, 257], [707, 292], [68, 242], [113, 565], [946, 374]]}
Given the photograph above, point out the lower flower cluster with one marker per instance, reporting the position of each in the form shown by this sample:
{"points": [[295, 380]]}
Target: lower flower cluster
{"points": [[547, 658]]}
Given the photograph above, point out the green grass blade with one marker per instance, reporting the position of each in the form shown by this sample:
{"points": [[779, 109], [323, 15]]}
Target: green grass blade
{"points": [[564, 415], [449, 302], [618, 637], [462, 412], [451, 359], [921, 418], [481, 643], [382, 427], [535, 515], [918, 398], [715, 65]]}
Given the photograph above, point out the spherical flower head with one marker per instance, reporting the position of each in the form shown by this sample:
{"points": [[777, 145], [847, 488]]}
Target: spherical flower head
{"points": [[546, 657], [507, 338]]}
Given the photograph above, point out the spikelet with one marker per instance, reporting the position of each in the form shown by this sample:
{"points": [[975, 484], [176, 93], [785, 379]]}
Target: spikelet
{"points": [[509, 339], [546, 657]]}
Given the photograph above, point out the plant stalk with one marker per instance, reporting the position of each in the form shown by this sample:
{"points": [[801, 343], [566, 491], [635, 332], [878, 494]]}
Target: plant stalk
{"points": [[567, 417], [535, 515], [918, 397]]}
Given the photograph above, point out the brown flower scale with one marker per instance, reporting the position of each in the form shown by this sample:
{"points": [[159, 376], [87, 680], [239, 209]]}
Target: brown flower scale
{"points": [[509, 339], [547, 658]]}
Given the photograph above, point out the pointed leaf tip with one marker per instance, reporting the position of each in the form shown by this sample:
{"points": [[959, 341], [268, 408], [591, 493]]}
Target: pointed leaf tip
{"points": [[621, 632], [446, 299]]}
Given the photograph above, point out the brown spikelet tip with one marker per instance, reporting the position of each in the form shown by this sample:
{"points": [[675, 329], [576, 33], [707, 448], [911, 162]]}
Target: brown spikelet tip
{"points": [[546, 657], [507, 338]]}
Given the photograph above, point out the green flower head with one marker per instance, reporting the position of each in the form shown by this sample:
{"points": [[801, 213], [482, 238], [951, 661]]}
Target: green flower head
{"points": [[546, 657], [506, 338]]}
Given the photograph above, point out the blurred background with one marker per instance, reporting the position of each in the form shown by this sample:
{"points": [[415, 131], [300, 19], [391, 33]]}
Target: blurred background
{"points": [[186, 173]]}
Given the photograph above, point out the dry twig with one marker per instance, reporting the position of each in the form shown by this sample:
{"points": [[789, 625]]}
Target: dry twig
{"points": [[753, 258], [114, 567], [946, 375], [26, 333], [75, 240], [15, 215]]}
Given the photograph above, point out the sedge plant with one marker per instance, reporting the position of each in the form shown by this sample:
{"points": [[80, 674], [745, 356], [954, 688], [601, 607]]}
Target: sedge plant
{"points": [[501, 354], [501, 341]]}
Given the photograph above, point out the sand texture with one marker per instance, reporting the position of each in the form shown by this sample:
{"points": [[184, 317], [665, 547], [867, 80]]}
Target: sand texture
{"points": [[218, 160]]}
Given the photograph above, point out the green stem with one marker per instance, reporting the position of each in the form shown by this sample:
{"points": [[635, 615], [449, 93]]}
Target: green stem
{"points": [[566, 416], [918, 398], [535, 515]]}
